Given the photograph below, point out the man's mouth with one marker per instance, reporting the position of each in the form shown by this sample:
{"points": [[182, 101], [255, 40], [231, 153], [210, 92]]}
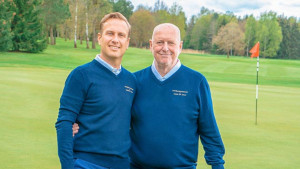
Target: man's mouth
{"points": [[114, 47], [165, 54]]}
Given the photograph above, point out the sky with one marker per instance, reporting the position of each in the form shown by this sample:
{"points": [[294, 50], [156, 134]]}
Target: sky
{"points": [[238, 7]]}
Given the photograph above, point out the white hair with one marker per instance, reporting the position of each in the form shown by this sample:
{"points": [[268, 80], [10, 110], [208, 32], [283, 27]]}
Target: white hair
{"points": [[170, 25]]}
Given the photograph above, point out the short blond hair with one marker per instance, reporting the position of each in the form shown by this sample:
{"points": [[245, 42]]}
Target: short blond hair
{"points": [[114, 15]]}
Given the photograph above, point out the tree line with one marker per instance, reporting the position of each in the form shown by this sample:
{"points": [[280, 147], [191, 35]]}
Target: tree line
{"points": [[30, 25]]}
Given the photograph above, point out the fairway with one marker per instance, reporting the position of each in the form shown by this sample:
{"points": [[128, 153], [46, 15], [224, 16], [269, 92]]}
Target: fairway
{"points": [[31, 85]]}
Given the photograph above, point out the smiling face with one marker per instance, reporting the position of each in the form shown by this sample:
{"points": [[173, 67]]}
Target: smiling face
{"points": [[166, 45], [113, 40]]}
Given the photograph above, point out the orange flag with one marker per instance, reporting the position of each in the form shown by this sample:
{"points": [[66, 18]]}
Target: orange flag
{"points": [[255, 50]]}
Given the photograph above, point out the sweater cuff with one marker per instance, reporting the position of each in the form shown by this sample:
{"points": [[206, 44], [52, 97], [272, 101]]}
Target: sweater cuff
{"points": [[219, 166]]}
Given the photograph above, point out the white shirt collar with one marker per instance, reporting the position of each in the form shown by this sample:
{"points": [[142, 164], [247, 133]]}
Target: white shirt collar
{"points": [[107, 65], [169, 74]]}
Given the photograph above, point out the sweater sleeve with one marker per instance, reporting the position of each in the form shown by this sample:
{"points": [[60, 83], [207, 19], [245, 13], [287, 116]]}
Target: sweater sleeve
{"points": [[208, 130], [70, 104]]}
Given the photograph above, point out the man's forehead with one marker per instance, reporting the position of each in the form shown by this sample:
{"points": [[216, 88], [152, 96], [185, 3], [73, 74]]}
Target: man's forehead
{"points": [[115, 21], [113, 25], [166, 29], [166, 35]]}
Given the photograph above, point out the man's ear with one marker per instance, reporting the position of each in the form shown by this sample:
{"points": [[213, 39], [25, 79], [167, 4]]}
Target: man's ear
{"points": [[150, 44], [181, 45], [99, 38], [128, 40]]}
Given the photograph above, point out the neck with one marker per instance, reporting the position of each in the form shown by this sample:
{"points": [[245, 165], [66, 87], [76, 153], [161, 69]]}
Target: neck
{"points": [[114, 62], [163, 69]]}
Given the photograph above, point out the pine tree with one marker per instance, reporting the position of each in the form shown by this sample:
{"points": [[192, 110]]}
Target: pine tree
{"points": [[5, 22], [27, 27], [289, 46]]}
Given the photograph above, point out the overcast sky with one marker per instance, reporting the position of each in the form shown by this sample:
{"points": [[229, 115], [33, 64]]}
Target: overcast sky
{"points": [[238, 7]]}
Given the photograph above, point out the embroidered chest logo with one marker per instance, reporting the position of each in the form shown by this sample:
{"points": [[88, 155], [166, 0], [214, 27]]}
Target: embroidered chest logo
{"points": [[129, 89], [180, 92]]}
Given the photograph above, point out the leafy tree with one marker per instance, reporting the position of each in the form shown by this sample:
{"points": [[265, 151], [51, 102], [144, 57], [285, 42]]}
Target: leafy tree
{"points": [[161, 16], [97, 9], [27, 27], [269, 34], [142, 21], [55, 12], [224, 19], [5, 25], [125, 7], [143, 7], [230, 39], [200, 39], [212, 31], [251, 27], [206, 27], [160, 6], [290, 44], [205, 11], [188, 35], [178, 18]]}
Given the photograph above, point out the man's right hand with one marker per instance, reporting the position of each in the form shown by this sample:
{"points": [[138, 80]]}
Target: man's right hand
{"points": [[75, 129]]}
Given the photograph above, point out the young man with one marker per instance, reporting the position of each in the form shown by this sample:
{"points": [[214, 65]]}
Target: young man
{"points": [[172, 108], [98, 96]]}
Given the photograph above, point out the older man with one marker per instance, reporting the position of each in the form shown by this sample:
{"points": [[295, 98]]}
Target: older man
{"points": [[98, 96], [172, 108]]}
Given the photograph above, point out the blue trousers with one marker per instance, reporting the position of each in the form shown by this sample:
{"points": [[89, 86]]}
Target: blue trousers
{"points": [[82, 164]]}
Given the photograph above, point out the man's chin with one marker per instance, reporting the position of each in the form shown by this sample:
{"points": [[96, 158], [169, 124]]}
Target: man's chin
{"points": [[116, 55]]}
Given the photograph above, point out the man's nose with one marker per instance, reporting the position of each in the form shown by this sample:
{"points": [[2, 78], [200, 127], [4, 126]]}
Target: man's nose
{"points": [[115, 39], [165, 46]]}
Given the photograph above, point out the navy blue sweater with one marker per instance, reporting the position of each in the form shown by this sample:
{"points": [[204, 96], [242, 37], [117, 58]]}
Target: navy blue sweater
{"points": [[100, 102], [167, 119]]}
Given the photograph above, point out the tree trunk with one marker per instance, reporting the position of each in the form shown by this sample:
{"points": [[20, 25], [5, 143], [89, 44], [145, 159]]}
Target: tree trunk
{"points": [[265, 46], [94, 35], [87, 26], [228, 54], [248, 48], [51, 35], [47, 35], [57, 32], [65, 33], [55, 35], [75, 42]]}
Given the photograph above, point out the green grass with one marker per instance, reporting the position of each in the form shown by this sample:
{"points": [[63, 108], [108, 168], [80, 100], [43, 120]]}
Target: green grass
{"points": [[31, 85]]}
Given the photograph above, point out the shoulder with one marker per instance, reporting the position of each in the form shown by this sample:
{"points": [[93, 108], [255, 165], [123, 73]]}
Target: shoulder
{"points": [[142, 72], [85, 67], [128, 74], [82, 71], [191, 73]]}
